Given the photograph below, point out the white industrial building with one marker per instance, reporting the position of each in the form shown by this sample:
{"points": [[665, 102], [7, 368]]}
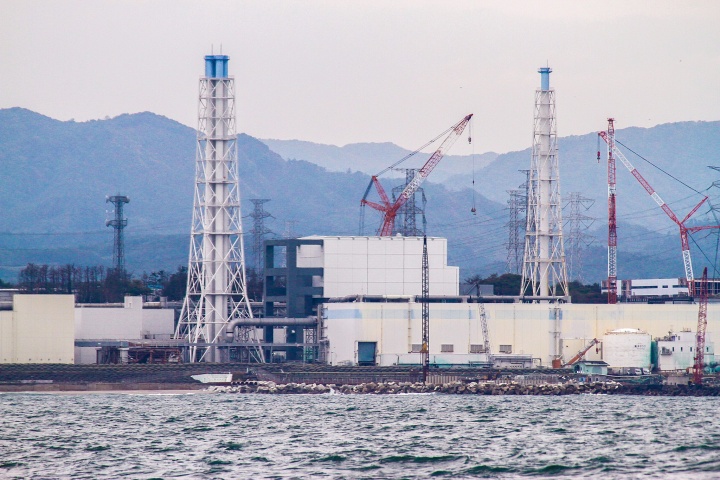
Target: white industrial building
{"points": [[654, 287], [52, 329], [37, 329], [378, 265], [542, 331], [676, 351], [648, 288], [102, 324]]}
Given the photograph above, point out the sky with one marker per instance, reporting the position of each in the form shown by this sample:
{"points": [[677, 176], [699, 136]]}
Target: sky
{"points": [[340, 72]]}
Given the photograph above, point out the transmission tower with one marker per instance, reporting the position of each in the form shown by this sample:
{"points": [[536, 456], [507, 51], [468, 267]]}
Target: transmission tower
{"points": [[406, 221], [290, 227], [517, 208], [216, 289], [544, 270], [259, 231], [577, 224], [118, 223]]}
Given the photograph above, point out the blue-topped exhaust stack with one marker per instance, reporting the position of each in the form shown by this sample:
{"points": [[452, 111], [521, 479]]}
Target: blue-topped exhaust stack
{"points": [[216, 66], [545, 78]]}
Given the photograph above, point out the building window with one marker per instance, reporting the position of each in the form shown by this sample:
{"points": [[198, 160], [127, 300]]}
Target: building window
{"points": [[416, 348], [447, 348], [505, 348], [477, 348]]}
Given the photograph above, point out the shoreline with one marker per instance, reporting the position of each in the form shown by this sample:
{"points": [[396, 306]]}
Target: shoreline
{"points": [[100, 387]]}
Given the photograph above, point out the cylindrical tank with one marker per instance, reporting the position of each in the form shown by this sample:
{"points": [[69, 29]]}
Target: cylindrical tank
{"points": [[627, 348]]}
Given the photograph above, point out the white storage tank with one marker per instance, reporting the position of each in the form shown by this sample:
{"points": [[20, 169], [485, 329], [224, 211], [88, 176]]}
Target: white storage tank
{"points": [[627, 348]]}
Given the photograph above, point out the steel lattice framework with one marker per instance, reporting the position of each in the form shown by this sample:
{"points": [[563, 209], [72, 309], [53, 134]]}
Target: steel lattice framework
{"points": [[544, 270], [516, 207], [259, 231], [406, 221], [118, 223], [216, 287], [576, 226], [699, 363]]}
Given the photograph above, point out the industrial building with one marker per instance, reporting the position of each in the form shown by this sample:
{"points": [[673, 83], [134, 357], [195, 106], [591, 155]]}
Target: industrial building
{"points": [[37, 329], [53, 329], [675, 351], [367, 300], [117, 333], [540, 331]]}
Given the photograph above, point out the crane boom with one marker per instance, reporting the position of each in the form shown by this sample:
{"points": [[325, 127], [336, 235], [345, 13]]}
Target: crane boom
{"points": [[434, 159], [684, 230], [486, 334], [702, 326], [582, 352], [390, 210]]}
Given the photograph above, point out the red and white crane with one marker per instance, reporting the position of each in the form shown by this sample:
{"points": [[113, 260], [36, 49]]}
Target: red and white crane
{"points": [[609, 138], [702, 326], [390, 210], [612, 220]]}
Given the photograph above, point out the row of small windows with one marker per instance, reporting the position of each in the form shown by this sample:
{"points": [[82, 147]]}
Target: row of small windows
{"points": [[707, 349], [450, 348], [444, 348], [645, 287]]}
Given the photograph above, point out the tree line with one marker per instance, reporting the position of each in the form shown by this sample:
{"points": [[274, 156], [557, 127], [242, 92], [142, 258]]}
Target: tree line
{"points": [[510, 283], [97, 284]]}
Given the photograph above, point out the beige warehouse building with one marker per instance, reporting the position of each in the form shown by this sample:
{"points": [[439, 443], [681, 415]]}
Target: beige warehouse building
{"points": [[38, 329], [541, 331]]}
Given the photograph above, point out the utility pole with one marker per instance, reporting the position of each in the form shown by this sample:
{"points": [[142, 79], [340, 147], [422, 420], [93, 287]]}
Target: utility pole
{"points": [[118, 223], [259, 231]]}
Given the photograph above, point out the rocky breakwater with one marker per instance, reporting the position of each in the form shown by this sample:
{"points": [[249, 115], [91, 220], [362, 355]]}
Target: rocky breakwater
{"points": [[453, 388]]}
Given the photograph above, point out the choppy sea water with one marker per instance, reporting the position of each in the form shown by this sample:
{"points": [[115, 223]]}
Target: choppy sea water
{"points": [[357, 436]]}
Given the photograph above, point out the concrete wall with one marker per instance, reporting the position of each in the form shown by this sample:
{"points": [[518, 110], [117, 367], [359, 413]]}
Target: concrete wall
{"points": [[380, 265], [130, 322], [531, 329], [39, 329]]}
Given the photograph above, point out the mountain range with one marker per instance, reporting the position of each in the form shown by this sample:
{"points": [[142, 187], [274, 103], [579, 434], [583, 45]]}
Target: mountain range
{"points": [[57, 174]]}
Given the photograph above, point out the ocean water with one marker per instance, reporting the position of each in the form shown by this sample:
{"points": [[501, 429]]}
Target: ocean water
{"points": [[357, 436]]}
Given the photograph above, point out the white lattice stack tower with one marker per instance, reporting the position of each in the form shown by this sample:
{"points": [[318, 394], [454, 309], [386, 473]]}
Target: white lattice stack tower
{"points": [[216, 290], [544, 270]]}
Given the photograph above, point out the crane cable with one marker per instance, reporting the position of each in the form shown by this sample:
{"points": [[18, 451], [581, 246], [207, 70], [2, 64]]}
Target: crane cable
{"points": [[717, 246], [416, 151], [473, 210], [651, 163]]}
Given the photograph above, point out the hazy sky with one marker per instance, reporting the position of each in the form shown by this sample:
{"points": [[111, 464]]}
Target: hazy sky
{"points": [[340, 72]]}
